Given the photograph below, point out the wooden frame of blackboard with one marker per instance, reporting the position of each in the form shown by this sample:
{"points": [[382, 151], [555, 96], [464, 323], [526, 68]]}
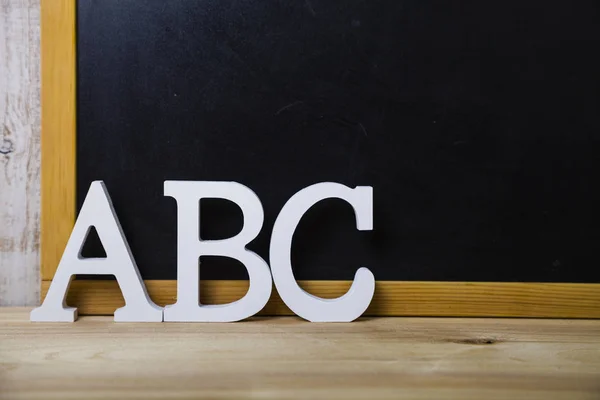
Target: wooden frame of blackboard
{"points": [[392, 298]]}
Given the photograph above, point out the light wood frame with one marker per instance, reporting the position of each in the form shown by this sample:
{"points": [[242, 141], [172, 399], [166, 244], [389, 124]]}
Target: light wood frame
{"points": [[58, 52]]}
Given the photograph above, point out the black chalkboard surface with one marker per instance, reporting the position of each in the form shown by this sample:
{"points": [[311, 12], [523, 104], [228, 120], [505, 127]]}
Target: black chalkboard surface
{"points": [[476, 122]]}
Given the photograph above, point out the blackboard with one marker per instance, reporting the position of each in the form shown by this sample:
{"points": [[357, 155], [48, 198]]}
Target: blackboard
{"points": [[476, 123]]}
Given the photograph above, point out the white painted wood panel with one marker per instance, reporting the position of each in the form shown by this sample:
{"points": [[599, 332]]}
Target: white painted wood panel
{"points": [[19, 152]]}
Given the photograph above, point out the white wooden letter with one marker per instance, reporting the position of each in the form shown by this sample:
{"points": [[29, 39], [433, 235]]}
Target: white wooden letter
{"points": [[343, 309], [190, 247], [97, 211]]}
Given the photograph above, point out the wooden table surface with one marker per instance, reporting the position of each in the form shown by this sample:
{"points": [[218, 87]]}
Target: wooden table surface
{"points": [[288, 358]]}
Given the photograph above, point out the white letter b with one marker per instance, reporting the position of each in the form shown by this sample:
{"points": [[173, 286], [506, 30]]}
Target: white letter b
{"points": [[190, 247]]}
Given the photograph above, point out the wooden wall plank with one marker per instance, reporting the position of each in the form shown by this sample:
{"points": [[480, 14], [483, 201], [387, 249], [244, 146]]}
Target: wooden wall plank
{"points": [[19, 152], [444, 299]]}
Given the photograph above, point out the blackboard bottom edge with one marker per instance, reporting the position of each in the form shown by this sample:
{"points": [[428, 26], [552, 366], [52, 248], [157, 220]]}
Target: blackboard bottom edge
{"points": [[392, 298]]}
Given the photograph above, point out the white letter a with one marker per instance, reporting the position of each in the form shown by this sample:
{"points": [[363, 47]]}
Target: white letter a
{"points": [[97, 211]]}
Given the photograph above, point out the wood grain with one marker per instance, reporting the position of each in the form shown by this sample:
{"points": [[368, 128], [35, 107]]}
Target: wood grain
{"points": [[58, 130], [451, 299], [287, 358], [19, 152]]}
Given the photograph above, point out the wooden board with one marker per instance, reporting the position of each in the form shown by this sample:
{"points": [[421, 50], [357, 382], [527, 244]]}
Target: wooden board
{"points": [[59, 190], [287, 358]]}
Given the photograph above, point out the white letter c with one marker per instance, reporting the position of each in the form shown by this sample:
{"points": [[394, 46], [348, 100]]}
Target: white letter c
{"points": [[315, 309]]}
